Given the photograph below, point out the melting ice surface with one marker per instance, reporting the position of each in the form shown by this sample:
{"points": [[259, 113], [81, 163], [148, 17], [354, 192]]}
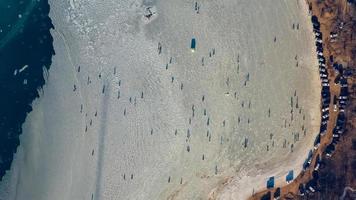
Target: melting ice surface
{"points": [[130, 112]]}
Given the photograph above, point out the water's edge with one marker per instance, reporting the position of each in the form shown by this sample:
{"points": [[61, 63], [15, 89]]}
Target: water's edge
{"points": [[28, 43]]}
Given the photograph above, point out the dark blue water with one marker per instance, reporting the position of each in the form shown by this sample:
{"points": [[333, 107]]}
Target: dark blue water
{"points": [[24, 40]]}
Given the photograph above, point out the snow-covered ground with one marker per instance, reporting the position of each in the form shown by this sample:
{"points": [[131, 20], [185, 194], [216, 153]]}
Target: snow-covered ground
{"points": [[120, 120]]}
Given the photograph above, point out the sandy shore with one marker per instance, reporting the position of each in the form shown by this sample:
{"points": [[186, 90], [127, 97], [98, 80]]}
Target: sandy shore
{"points": [[330, 14], [119, 118]]}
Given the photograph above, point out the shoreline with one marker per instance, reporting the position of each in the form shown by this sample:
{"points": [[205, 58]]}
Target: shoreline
{"points": [[24, 56], [273, 170], [88, 136], [328, 24]]}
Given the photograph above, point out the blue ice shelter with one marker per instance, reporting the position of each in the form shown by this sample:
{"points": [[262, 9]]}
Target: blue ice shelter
{"points": [[193, 44], [290, 176], [270, 182]]}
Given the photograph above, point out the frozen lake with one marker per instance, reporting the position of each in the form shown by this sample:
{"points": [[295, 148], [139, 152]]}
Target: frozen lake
{"points": [[130, 112]]}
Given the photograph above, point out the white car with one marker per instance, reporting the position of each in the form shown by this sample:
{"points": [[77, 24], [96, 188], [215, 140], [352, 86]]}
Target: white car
{"points": [[322, 69], [334, 35], [325, 116], [325, 109], [319, 41], [310, 160], [316, 146], [317, 167], [335, 107], [323, 75], [311, 189]]}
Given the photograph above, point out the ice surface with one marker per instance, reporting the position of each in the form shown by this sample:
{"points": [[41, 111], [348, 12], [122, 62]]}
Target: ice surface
{"points": [[129, 112]]}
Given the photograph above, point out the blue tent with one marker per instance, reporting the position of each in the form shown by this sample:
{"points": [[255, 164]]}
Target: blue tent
{"points": [[290, 176], [270, 182], [192, 45]]}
